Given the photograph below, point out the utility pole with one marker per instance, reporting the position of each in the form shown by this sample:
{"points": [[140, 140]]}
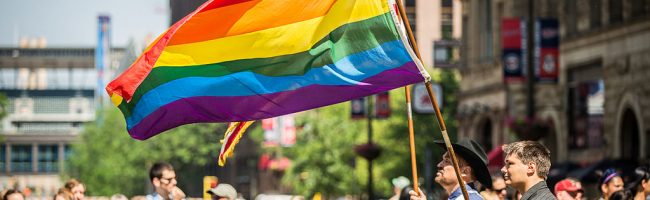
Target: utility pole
{"points": [[530, 80], [371, 195]]}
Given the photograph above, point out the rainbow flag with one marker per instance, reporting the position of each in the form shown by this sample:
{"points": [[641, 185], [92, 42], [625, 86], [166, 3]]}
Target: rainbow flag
{"points": [[242, 60]]}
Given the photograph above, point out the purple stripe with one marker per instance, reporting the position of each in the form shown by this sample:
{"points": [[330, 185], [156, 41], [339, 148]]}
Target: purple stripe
{"points": [[245, 108]]}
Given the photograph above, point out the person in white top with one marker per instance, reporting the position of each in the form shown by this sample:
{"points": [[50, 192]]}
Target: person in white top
{"points": [[163, 178]]}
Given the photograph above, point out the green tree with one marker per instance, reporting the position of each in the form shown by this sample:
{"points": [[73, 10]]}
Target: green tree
{"points": [[109, 161], [4, 103], [322, 158]]}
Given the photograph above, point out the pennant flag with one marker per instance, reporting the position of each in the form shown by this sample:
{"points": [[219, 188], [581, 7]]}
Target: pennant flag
{"points": [[242, 60], [231, 138]]}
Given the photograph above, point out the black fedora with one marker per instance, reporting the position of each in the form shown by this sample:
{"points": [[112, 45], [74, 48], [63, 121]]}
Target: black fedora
{"points": [[475, 156]]}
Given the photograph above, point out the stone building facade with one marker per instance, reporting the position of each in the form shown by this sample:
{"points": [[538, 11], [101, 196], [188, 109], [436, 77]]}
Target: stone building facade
{"points": [[598, 108]]}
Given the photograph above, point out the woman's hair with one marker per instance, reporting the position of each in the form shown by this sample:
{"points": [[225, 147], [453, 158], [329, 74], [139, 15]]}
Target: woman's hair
{"points": [[72, 183], [64, 193], [621, 195], [10, 192], [640, 174], [607, 176]]}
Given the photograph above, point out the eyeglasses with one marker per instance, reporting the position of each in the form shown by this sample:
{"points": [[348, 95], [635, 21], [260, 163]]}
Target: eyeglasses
{"points": [[169, 180], [499, 190], [217, 197], [575, 193]]}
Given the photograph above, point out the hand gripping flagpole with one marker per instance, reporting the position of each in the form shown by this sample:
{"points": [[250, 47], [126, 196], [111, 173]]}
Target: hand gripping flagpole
{"points": [[441, 121]]}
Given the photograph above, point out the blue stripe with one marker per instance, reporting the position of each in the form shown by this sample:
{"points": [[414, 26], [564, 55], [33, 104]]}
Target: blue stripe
{"points": [[347, 71]]}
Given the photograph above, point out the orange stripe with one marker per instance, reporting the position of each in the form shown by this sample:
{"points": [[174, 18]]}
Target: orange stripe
{"points": [[248, 17]]}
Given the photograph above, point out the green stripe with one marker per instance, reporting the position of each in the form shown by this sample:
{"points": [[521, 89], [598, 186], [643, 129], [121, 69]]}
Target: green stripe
{"points": [[345, 40]]}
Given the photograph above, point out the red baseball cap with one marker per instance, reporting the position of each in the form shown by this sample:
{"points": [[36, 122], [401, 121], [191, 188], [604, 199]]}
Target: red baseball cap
{"points": [[566, 185]]}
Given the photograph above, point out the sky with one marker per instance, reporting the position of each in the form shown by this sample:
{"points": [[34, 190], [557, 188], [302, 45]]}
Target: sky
{"points": [[73, 23]]}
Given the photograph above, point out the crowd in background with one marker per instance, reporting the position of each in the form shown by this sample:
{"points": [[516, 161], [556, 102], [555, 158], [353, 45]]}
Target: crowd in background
{"points": [[523, 177]]}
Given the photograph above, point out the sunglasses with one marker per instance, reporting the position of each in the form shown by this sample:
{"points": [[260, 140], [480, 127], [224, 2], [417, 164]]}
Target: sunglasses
{"points": [[499, 190], [574, 194], [169, 180]]}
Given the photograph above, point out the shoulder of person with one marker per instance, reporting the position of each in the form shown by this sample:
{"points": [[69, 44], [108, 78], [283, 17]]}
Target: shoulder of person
{"points": [[472, 196]]}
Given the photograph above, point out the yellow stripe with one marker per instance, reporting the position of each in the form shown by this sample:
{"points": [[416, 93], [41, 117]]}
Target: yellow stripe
{"points": [[287, 39], [116, 99]]}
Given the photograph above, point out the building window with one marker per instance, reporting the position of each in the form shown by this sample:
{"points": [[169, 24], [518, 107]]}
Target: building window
{"points": [[447, 31], [45, 127], [464, 48], [48, 158], [67, 154], [638, 8], [411, 18], [11, 105], [50, 105], [586, 108], [487, 46], [21, 158], [570, 17], [447, 3], [3, 158], [83, 78], [8, 78], [58, 78], [410, 3], [615, 11], [595, 13]]}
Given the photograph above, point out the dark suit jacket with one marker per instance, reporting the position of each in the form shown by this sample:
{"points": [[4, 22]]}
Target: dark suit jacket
{"points": [[538, 191]]}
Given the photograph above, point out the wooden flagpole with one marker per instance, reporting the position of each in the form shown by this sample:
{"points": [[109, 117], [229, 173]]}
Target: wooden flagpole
{"points": [[414, 168], [441, 121]]}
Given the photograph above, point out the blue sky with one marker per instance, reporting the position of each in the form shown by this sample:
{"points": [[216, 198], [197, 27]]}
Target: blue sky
{"points": [[73, 23]]}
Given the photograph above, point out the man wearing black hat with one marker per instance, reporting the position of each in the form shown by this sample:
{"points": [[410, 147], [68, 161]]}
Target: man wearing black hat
{"points": [[472, 162]]}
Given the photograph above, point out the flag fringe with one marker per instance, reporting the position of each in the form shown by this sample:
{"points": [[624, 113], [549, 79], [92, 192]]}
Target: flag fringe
{"points": [[231, 137]]}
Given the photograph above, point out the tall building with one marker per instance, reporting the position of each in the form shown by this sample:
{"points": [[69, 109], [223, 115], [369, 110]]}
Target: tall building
{"points": [[598, 107], [51, 93], [437, 27]]}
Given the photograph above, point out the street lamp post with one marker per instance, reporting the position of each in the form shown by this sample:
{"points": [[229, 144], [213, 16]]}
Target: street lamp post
{"points": [[371, 195]]}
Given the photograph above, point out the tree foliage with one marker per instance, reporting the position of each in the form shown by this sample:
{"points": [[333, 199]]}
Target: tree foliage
{"points": [[109, 161], [322, 159], [4, 103]]}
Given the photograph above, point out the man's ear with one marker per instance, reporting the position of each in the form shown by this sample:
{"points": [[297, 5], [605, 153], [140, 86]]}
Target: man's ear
{"points": [[156, 182], [531, 168]]}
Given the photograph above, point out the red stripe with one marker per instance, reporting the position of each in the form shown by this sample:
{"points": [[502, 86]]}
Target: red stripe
{"points": [[126, 84], [218, 4]]}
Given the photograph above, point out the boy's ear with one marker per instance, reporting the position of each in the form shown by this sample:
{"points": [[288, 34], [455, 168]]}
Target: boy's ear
{"points": [[531, 168]]}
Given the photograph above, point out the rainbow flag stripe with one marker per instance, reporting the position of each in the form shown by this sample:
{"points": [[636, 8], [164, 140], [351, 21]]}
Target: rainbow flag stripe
{"points": [[242, 60]]}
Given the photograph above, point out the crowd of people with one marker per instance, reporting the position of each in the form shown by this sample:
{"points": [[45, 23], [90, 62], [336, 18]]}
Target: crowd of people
{"points": [[71, 190], [523, 177], [161, 175]]}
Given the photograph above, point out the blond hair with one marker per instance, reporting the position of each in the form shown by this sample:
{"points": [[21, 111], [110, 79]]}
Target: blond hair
{"points": [[531, 151], [72, 183]]}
